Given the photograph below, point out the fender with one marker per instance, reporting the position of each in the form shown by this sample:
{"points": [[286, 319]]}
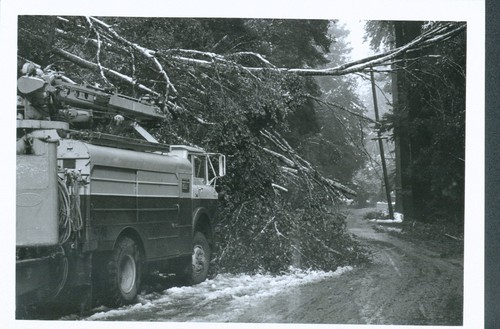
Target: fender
{"points": [[132, 233], [198, 213], [206, 228]]}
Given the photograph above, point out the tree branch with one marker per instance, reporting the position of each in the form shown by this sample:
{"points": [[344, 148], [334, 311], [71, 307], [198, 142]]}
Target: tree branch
{"points": [[148, 53], [98, 41], [329, 104], [301, 167], [93, 66]]}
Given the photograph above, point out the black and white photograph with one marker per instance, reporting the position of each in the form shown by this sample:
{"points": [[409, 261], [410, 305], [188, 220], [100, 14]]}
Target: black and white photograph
{"points": [[197, 165]]}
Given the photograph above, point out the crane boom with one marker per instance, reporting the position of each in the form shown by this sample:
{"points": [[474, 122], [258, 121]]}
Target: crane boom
{"points": [[49, 96]]}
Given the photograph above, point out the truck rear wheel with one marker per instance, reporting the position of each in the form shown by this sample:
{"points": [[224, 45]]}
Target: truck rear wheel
{"points": [[200, 259], [124, 272]]}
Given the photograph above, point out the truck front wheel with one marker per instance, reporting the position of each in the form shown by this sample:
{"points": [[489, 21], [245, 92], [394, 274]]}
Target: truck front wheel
{"points": [[124, 272], [200, 259]]}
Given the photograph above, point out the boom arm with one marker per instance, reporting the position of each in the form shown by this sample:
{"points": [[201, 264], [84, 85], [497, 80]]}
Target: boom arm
{"points": [[49, 96]]}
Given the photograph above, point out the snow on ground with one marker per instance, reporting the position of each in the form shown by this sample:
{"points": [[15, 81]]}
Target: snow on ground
{"points": [[389, 229], [230, 293], [398, 218]]}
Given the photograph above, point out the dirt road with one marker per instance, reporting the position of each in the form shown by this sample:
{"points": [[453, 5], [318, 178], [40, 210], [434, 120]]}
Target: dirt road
{"points": [[407, 283]]}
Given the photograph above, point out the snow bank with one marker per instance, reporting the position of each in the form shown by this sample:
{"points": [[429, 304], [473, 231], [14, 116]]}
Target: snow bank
{"points": [[231, 292]]}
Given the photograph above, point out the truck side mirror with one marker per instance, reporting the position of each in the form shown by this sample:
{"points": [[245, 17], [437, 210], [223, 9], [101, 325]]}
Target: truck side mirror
{"points": [[222, 165]]}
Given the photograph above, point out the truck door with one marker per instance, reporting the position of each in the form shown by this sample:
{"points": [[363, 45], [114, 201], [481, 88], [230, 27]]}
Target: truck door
{"points": [[202, 190]]}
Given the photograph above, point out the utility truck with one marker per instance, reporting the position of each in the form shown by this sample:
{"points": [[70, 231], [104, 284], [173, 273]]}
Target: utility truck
{"points": [[95, 212]]}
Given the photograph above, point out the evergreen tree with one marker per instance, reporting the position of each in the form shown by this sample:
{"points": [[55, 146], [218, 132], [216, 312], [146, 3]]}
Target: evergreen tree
{"points": [[428, 121]]}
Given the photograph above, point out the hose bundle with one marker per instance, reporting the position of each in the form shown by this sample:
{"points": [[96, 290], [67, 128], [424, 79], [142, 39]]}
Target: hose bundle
{"points": [[70, 216]]}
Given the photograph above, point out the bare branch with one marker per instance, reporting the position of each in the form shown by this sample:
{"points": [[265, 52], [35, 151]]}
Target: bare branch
{"points": [[301, 167], [281, 157], [148, 53], [279, 187], [93, 66], [98, 37], [329, 104]]}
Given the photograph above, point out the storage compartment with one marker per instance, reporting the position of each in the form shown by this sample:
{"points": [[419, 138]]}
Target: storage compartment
{"points": [[37, 198]]}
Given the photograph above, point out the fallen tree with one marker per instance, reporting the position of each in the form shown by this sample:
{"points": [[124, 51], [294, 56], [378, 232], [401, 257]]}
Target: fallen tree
{"points": [[278, 210]]}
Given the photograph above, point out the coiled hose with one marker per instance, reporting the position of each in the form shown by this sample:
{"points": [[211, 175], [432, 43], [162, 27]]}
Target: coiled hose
{"points": [[70, 216]]}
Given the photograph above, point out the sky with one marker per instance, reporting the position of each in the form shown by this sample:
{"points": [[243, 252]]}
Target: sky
{"points": [[360, 48]]}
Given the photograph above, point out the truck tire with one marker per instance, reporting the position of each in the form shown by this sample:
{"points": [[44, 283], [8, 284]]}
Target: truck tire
{"points": [[124, 272], [200, 259]]}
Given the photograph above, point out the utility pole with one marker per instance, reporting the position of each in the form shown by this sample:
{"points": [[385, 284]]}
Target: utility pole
{"points": [[381, 147]]}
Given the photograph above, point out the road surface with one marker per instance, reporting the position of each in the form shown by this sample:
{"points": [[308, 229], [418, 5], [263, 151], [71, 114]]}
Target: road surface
{"points": [[407, 283]]}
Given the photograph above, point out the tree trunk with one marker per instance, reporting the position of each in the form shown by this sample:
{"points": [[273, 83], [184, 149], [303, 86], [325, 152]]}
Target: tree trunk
{"points": [[405, 105]]}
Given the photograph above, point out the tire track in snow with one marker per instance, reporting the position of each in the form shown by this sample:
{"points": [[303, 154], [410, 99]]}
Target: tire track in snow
{"points": [[392, 263]]}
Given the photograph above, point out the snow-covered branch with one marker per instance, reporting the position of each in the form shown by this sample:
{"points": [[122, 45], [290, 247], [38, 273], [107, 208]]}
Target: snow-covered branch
{"points": [[210, 60], [279, 187], [93, 66], [280, 156], [254, 55], [148, 53], [98, 53]]}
